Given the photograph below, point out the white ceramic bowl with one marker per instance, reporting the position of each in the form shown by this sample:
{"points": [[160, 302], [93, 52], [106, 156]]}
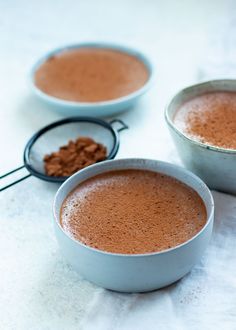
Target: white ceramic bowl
{"points": [[134, 272], [95, 109], [215, 165]]}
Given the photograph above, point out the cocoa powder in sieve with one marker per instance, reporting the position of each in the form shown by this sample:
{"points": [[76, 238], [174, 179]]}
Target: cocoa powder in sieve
{"points": [[74, 156]]}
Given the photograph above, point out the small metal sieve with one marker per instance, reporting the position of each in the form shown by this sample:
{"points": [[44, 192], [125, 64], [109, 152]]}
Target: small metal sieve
{"points": [[52, 137]]}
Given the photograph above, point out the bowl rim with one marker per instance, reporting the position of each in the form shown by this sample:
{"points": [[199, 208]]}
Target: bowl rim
{"points": [[188, 173], [188, 89], [93, 44]]}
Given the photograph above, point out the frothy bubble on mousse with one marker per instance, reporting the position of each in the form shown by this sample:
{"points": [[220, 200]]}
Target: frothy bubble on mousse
{"points": [[132, 211]]}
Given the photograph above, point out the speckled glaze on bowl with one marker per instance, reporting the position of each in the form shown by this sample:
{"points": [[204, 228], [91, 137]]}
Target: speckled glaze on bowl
{"points": [[215, 165], [95, 109], [134, 272]]}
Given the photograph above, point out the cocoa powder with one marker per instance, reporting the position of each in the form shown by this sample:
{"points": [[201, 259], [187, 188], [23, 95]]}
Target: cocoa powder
{"points": [[74, 156], [210, 118], [132, 211], [91, 75]]}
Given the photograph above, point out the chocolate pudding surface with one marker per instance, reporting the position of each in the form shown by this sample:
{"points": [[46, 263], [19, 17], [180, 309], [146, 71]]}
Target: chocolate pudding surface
{"points": [[210, 118], [132, 212], [91, 75]]}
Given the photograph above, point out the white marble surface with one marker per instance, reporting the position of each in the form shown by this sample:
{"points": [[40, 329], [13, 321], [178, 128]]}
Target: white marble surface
{"points": [[38, 290]]}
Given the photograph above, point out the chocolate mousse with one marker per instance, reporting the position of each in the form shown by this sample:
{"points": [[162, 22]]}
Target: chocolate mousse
{"points": [[210, 118], [132, 212], [90, 74]]}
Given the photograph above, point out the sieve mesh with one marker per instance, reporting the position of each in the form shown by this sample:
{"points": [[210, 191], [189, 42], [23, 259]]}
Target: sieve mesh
{"points": [[50, 138], [54, 136]]}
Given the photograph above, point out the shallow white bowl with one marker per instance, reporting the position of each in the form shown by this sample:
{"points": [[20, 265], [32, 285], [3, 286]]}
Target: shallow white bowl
{"points": [[95, 109], [134, 272], [215, 165]]}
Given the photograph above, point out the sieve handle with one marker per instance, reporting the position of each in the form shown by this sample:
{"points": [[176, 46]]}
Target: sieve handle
{"points": [[119, 121], [14, 182]]}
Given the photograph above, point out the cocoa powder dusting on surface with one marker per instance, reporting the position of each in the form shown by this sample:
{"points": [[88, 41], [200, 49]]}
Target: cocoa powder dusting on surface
{"points": [[132, 211], [210, 118], [74, 156], [91, 75]]}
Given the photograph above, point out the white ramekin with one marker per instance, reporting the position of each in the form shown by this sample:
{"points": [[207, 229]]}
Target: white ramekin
{"points": [[95, 109], [134, 272], [215, 165]]}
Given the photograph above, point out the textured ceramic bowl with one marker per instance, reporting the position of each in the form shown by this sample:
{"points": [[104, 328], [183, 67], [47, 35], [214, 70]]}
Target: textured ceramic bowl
{"points": [[95, 109], [215, 165], [134, 272]]}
